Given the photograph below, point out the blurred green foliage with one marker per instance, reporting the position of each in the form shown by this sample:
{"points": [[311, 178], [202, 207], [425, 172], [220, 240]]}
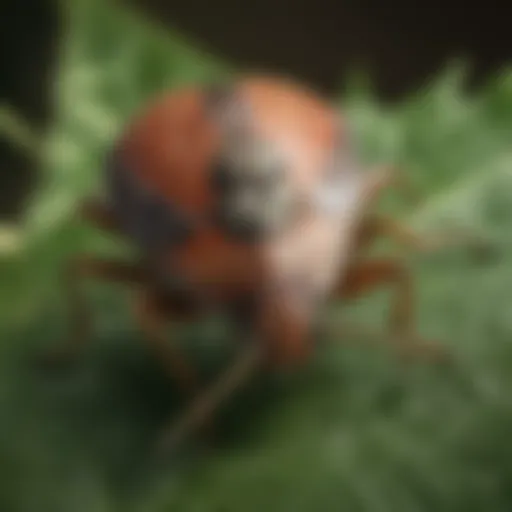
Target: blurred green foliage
{"points": [[354, 431]]}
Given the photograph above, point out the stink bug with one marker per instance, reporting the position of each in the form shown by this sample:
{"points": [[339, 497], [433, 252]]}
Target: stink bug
{"points": [[247, 198]]}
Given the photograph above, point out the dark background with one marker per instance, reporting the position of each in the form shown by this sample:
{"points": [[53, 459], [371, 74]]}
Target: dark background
{"points": [[318, 41]]}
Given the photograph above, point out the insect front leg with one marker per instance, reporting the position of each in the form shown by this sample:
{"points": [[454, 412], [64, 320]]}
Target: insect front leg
{"points": [[202, 409], [365, 276], [376, 226], [383, 178], [281, 338]]}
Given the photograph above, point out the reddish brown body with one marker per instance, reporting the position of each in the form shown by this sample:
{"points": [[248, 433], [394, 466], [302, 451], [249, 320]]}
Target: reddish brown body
{"points": [[168, 187], [173, 146]]}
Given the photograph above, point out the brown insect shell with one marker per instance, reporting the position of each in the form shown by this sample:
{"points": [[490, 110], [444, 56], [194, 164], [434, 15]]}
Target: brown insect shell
{"points": [[172, 145]]}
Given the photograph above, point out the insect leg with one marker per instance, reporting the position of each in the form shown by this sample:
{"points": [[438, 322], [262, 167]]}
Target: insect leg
{"points": [[153, 316], [199, 413], [282, 329], [378, 225], [99, 215], [390, 177], [76, 272], [366, 276]]}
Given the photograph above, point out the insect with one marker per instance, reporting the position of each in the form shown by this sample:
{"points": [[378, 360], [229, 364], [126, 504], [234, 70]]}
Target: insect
{"points": [[245, 198]]}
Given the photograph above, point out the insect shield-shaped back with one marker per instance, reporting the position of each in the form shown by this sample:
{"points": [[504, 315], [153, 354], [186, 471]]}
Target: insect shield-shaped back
{"points": [[249, 176]]}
